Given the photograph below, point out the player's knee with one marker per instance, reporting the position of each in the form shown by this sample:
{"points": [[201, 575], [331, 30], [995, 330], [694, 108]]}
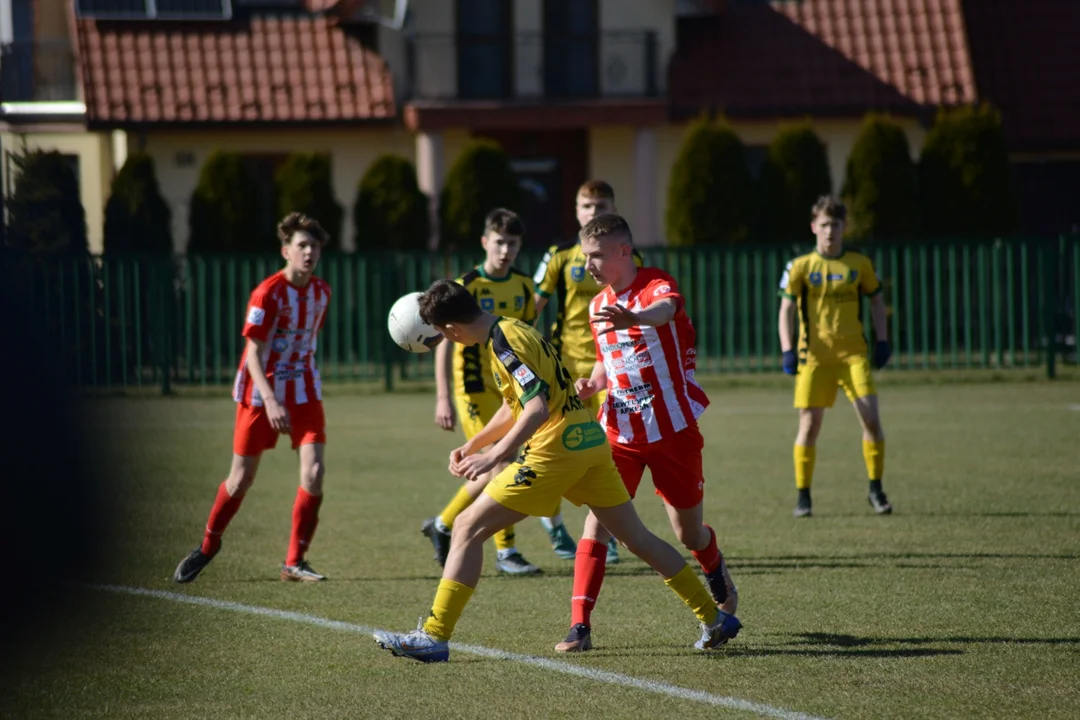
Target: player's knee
{"points": [[873, 428], [809, 426], [312, 477], [240, 480], [467, 527]]}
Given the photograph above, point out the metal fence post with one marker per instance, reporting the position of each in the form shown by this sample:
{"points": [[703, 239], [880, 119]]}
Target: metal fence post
{"points": [[1051, 277]]}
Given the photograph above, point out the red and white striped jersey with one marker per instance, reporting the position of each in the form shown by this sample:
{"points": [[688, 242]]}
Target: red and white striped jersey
{"points": [[652, 393], [288, 318]]}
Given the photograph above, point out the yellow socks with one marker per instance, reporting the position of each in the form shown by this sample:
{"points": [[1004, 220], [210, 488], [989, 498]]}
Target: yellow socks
{"points": [[450, 601], [688, 587], [504, 539], [804, 465], [874, 454], [456, 506]]}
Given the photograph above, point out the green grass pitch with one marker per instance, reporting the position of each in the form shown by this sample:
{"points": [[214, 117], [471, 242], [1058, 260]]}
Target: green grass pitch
{"points": [[964, 603]]}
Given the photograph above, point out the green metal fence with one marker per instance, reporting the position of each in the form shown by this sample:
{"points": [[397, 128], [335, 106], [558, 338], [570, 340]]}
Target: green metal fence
{"points": [[133, 321]]}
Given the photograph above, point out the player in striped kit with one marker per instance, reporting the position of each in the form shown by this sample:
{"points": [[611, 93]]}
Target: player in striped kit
{"points": [[278, 391], [645, 359]]}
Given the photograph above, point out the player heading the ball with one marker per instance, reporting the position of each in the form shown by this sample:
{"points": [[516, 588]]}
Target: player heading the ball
{"points": [[566, 456]]}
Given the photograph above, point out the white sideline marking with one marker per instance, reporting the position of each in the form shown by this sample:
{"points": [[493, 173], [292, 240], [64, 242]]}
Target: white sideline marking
{"points": [[603, 676], [1075, 407]]}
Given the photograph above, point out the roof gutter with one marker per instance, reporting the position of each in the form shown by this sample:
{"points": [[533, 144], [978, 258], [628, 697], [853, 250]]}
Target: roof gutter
{"points": [[72, 110]]}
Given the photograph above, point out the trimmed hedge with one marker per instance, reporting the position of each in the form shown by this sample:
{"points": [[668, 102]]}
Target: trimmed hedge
{"points": [[710, 192], [391, 213]]}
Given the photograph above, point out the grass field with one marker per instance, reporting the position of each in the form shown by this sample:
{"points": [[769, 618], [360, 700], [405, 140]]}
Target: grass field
{"points": [[961, 604]]}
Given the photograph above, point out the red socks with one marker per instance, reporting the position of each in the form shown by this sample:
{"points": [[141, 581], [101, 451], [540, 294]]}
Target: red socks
{"points": [[225, 506], [708, 558], [589, 565], [305, 518]]}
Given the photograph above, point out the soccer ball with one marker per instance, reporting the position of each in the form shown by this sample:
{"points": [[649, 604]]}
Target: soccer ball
{"points": [[408, 330]]}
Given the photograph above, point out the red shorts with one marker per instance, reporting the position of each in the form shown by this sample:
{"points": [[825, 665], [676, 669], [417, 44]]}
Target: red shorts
{"points": [[253, 434], [675, 463]]}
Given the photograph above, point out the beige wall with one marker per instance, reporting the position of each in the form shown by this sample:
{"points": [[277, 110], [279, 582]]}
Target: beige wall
{"points": [[453, 142], [95, 170], [611, 158], [838, 136], [178, 157]]}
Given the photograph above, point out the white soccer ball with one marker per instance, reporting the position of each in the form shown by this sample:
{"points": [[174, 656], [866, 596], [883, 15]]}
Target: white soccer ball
{"points": [[408, 330]]}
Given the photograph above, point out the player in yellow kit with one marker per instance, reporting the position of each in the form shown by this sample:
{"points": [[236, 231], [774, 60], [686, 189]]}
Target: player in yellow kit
{"points": [[566, 454], [826, 288], [562, 276], [463, 378]]}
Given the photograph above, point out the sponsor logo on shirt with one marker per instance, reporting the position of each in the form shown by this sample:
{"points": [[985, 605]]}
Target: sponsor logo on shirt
{"points": [[635, 390], [255, 316], [632, 405], [835, 276], [661, 290], [617, 346], [632, 362], [583, 436], [524, 375], [280, 344]]}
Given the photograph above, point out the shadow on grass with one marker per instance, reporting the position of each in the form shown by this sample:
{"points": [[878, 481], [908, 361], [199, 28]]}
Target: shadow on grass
{"points": [[736, 651], [750, 561], [854, 654], [854, 641]]}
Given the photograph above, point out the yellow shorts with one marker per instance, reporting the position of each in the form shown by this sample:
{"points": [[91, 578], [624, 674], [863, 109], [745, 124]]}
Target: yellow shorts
{"points": [[476, 410], [815, 385], [534, 484], [583, 369]]}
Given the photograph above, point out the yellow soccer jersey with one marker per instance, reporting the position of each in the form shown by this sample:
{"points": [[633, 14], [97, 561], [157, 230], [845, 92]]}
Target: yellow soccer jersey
{"points": [[511, 296], [562, 274], [525, 365], [829, 293]]}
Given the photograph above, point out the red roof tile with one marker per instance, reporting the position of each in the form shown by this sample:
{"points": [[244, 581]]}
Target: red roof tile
{"points": [[1026, 64], [823, 57], [272, 68]]}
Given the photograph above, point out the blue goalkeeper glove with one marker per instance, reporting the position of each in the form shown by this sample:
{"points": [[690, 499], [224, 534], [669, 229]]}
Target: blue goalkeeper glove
{"points": [[790, 362], [882, 353]]}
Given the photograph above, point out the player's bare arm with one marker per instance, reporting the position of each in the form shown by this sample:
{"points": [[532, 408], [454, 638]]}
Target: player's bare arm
{"points": [[275, 411], [540, 302], [597, 381], [444, 403], [534, 414], [787, 324], [878, 317], [620, 318], [495, 430]]}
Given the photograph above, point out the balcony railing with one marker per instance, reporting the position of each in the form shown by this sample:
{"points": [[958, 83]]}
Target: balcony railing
{"points": [[536, 65], [37, 71]]}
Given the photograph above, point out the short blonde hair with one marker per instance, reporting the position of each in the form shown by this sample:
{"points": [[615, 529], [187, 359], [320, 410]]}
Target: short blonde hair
{"points": [[610, 225]]}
